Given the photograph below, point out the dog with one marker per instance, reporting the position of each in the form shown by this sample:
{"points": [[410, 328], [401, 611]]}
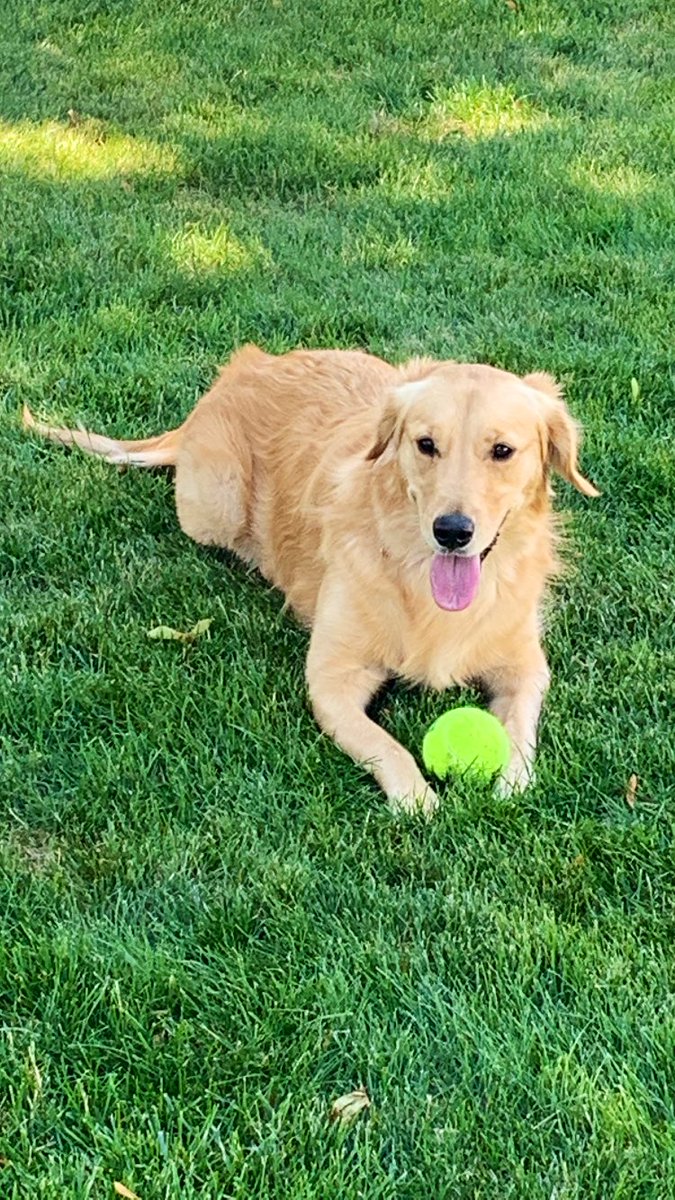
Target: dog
{"points": [[405, 513]]}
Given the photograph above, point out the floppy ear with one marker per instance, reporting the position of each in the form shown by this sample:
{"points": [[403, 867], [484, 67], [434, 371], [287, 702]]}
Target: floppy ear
{"points": [[391, 421], [386, 428], [563, 433]]}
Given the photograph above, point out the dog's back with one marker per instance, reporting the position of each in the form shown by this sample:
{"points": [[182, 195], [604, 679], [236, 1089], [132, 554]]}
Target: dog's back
{"points": [[254, 444]]}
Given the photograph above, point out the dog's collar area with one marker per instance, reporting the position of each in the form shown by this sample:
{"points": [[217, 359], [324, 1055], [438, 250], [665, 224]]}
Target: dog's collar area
{"points": [[492, 545], [495, 539]]}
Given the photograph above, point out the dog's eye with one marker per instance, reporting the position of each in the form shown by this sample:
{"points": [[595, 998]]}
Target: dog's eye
{"points": [[427, 446], [500, 452]]}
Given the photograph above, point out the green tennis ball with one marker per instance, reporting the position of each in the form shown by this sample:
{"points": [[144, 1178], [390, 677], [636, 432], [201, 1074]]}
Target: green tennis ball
{"points": [[466, 741]]}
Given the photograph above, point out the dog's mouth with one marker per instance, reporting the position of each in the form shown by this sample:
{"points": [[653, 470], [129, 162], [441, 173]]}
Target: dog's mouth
{"points": [[455, 578]]}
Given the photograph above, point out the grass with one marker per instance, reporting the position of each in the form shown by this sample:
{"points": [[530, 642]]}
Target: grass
{"points": [[210, 927]]}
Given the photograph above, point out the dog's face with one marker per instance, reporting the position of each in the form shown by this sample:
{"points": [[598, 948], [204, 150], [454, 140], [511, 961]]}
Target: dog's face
{"points": [[474, 445]]}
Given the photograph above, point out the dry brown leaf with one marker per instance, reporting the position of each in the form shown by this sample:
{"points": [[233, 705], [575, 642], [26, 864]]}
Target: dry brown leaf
{"points": [[124, 1191], [631, 791], [347, 1108], [513, 5], [74, 118]]}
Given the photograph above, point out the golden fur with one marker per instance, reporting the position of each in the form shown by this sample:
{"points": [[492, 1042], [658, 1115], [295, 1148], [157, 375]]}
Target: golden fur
{"points": [[307, 465]]}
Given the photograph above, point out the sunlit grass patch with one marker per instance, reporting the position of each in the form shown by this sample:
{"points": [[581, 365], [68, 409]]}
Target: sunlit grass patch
{"points": [[479, 111], [84, 149], [198, 249], [624, 181], [374, 249]]}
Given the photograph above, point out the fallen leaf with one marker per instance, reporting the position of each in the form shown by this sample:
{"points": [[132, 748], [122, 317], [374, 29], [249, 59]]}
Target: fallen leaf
{"points": [[124, 1191], [513, 5], [74, 117], [635, 389], [347, 1108], [201, 627], [164, 633], [631, 791]]}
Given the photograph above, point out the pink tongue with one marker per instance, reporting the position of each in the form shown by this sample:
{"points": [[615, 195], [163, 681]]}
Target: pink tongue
{"points": [[454, 580]]}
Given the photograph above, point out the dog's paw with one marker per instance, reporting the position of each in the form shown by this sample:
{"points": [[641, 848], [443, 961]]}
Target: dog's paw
{"points": [[518, 776], [423, 800]]}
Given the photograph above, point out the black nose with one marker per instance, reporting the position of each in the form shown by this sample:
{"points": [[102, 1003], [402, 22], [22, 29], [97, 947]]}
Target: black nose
{"points": [[453, 531]]}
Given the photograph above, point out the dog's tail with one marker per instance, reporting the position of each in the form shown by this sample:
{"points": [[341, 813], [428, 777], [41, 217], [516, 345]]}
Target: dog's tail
{"points": [[158, 451]]}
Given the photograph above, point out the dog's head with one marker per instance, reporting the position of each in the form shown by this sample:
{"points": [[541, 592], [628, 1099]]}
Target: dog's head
{"points": [[474, 445]]}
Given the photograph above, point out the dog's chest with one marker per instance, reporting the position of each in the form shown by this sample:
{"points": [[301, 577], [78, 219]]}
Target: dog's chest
{"points": [[439, 649], [435, 661]]}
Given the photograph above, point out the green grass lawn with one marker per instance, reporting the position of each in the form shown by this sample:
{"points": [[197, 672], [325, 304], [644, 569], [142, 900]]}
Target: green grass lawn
{"points": [[210, 927]]}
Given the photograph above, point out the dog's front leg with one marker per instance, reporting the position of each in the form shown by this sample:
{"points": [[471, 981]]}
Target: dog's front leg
{"points": [[517, 693], [340, 690]]}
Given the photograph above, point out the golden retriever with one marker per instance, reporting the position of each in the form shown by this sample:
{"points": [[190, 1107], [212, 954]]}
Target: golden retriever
{"points": [[404, 512]]}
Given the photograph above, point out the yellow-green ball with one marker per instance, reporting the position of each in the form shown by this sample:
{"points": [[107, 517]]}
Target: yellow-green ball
{"points": [[466, 741]]}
